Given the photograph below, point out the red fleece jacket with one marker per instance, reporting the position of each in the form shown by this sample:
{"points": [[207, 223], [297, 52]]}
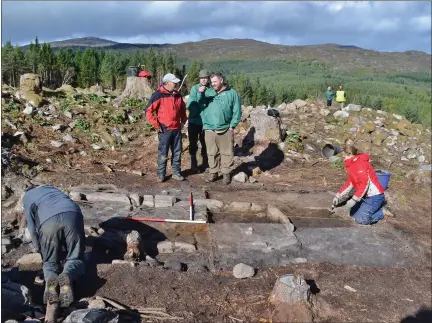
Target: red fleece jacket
{"points": [[361, 177], [167, 108]]}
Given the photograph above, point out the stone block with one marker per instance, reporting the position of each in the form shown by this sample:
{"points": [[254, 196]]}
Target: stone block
{"points": [[107, 197], [212, 205], [275, 214], [148, 201], [239, 207], [256, 208], [184, 247], [290, 289], [123, 262], [164, 201], [165, 247]]}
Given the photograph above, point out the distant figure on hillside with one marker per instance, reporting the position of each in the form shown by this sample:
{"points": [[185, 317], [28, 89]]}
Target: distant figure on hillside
{"points": [[221, 115], [366, 204], [330, 96], [195, 126], [166, 112], [340, 96]]}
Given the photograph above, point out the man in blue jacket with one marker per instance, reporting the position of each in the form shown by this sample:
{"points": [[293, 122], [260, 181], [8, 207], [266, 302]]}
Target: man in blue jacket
{"points": [[55, 221]]}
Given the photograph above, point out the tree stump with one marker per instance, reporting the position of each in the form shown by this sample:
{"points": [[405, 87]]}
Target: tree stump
{"points": [[30, 82], [30, 89], [290, 289], [136, 88]]}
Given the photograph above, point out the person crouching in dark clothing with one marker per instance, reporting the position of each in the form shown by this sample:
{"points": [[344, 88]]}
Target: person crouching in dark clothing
{"points": [[54, 221]]}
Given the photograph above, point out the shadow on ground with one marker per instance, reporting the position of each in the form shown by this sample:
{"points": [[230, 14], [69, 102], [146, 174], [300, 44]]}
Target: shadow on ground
{"points": [[424, 315], [269, 159]]}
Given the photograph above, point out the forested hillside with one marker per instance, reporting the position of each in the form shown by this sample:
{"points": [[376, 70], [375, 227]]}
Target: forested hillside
{"points": [[262, 81]]}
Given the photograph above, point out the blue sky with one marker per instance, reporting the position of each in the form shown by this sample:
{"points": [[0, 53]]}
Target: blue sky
{"points": [[382, 26]]}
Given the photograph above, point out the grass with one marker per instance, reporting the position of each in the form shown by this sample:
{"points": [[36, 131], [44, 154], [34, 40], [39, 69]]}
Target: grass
{"points": [[82, 125], [337, 164]]}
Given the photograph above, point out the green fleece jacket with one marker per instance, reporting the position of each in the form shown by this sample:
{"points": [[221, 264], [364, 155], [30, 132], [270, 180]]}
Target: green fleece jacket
{"points": [[194, 106], [223, 109], [330, 95]]}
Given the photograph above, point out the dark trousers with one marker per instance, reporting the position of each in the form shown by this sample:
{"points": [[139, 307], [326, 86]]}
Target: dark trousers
{"points": [[169, 139], [195, 133], [329, 102], [63, 230]]}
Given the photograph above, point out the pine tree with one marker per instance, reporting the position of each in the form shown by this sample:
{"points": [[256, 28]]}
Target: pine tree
{"points": [[193, 73], [32, 56], [151, 66], [47, 62], [108, 70], [66, 66], [89, 68]]}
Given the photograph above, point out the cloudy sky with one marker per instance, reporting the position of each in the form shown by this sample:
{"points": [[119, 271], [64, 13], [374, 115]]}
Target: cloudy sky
{"points": [[383, 26]]}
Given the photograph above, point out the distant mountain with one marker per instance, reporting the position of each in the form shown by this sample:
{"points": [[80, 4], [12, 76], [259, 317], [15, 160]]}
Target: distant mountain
{"points": [[349, 57], [81, 43]]}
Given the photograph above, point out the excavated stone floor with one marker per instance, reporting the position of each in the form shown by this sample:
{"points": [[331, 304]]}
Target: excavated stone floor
{"points": [[261, 236]]}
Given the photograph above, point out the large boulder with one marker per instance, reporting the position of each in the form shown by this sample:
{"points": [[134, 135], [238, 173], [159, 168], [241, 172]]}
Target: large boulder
{"points": [[406, 128], [299, 103], [352, 107], [266, 127]]}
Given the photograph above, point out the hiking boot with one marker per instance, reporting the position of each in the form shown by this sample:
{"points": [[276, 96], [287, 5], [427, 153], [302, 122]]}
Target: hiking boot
{"points": [[178, 177], [226, 179], [161, 179], [66, 296], [194, 164], [50, 293], [212, 177]]}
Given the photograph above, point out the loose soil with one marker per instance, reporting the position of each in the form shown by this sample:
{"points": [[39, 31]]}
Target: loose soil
{"points": [[382, 295]]}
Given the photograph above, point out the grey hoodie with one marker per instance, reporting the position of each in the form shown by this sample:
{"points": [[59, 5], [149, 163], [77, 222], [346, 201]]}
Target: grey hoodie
{"points": [[42, 203]]}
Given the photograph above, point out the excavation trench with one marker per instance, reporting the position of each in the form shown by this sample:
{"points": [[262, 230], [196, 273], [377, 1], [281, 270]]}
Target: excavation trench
{"points": [[295, 227]]}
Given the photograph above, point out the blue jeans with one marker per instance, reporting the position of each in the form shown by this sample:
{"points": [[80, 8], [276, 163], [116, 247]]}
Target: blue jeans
{"points": [[63, 230], [169, 139], [369, 210]]}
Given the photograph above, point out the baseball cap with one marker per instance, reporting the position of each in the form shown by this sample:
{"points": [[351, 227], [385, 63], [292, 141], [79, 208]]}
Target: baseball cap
{"points": [[170, 78]]}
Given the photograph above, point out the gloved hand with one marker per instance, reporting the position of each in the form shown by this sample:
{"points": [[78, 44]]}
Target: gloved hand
{"points": [[336, 200], [350, 204]]}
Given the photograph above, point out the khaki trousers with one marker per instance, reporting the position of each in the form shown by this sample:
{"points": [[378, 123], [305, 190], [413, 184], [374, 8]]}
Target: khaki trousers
{"points": [[220, 151]]}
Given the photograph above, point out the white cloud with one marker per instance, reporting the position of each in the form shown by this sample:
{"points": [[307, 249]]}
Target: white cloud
{"points": [[401, 25], [422, 23]]}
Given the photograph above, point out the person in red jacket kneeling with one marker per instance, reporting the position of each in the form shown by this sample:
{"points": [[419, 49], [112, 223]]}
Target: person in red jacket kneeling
{"points": [[366, 204]]}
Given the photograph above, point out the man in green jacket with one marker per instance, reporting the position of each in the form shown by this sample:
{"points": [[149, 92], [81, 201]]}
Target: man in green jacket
{"points": [[195, 126], [220, 116]]}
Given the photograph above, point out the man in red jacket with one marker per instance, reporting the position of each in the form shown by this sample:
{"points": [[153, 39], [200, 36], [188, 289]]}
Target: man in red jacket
{"points": [[368, 199], [166, 112]]}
